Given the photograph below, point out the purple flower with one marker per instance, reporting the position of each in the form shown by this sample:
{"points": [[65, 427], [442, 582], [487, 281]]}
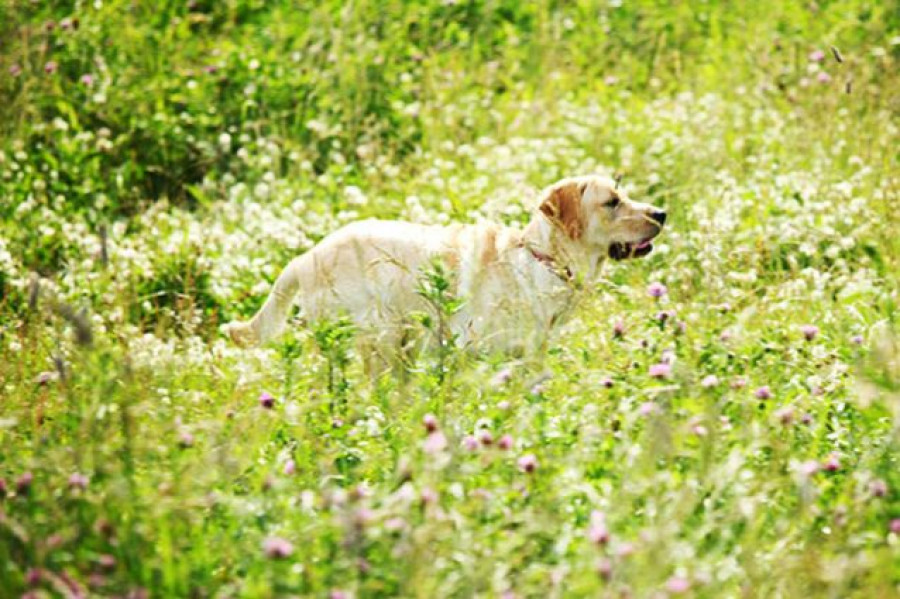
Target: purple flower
{"points": [[470, 442], [619, 329], [106, 561], [823, 77], [78, 481], [816, 56], [430, 422], [23, 484], [857, 339], [503, 405], [607, 382], [832, 463], [604, 568], [657, 289], [435, 442], [648, 407], [598, 532], [809, 331], [87, 79], [428, 496], [486, 438], [661, 370], [277, 548], [338, 594], [528, 463], [186, 440], [878, 488], [290, 467], [51, 67], [785, 415], [895, 526], [809, 467], [502, 377], [15, 70], [505, 442], [763, 393], [266, 400], [678, 585], [709, 380]]}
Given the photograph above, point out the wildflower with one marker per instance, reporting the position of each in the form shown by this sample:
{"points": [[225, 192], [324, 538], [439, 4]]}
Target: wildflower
{"points": [[648, 407], [430, 422], [809, 331], [528, 463], [785, 415], [895, 526], [809, 467], [15, 70], [277, 548], [832, 464], [87, 79], [51, 67], [428, 496], [699, 430], [503, 405], [470, 442], [823, 77], [763, 393], [678, 585], [266, 400], [657, 289], [619, 329], [604, 568], [186, 440], [435, 442], [709, 380], [502, 377], [816, 56], [607, 382], [338, 594], [806, 418], [598, 533], [505, 442], [878, 488], [661, 370], [290, 467], [78, 481], [23, 484], [486, 438], [739, 383], [857, 339], [33, 577], [106, 561], [610, 80]]}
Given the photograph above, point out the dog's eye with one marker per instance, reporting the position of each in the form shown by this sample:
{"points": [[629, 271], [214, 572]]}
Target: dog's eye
{"points": [[613, 202]]}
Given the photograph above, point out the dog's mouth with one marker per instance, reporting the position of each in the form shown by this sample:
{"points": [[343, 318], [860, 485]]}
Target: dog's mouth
{"points": [[623, 251]]}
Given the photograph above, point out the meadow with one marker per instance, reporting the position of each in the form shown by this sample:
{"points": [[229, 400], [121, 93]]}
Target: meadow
{"points": [[719, 419]]}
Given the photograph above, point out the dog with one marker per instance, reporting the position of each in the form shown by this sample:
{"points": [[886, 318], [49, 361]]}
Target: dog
{"points": [[515, 285]]}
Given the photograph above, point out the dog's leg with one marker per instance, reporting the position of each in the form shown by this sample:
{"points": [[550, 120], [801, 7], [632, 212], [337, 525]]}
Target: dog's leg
{"points": [[270, 319]]}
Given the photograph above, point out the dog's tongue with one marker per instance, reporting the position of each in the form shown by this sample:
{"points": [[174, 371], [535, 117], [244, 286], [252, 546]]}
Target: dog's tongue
{"points": [[642, 245]]}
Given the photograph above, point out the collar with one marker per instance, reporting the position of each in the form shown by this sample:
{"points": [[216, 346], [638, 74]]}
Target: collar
{"points": [[563, 272]]}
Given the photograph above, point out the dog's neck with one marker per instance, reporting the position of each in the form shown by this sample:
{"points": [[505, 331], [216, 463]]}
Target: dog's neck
{"points": [[581, 259]]}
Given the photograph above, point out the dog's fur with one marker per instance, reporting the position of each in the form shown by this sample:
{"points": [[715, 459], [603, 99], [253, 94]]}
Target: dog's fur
{"points": [[515, 284]]}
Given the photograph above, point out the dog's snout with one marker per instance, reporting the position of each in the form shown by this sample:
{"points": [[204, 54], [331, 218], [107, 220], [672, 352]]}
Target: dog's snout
{"points": [[659, 216]]}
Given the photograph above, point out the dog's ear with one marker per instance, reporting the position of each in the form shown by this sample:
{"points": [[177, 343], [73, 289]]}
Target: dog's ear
{"points": [[562, 206]]}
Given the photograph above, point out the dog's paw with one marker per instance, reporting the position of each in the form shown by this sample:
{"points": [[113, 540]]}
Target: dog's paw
{"points": [[241, 334]]}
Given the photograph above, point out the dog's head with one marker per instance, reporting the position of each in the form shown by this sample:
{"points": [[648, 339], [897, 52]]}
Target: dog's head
{"points": [[594, 211]]}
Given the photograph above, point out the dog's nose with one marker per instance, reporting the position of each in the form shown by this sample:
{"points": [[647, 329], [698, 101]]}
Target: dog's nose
{"points": [[659, 216]]}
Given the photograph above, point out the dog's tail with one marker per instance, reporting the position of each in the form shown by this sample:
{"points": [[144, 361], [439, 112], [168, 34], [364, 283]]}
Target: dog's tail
{"points": [[270, 319]]}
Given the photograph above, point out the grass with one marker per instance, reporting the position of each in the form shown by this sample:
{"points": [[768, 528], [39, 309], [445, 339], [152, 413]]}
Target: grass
{"points": [[159, 164]]}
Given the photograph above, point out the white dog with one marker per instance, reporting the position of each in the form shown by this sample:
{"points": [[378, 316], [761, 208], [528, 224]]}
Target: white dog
{"points": [[515, 284]]}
